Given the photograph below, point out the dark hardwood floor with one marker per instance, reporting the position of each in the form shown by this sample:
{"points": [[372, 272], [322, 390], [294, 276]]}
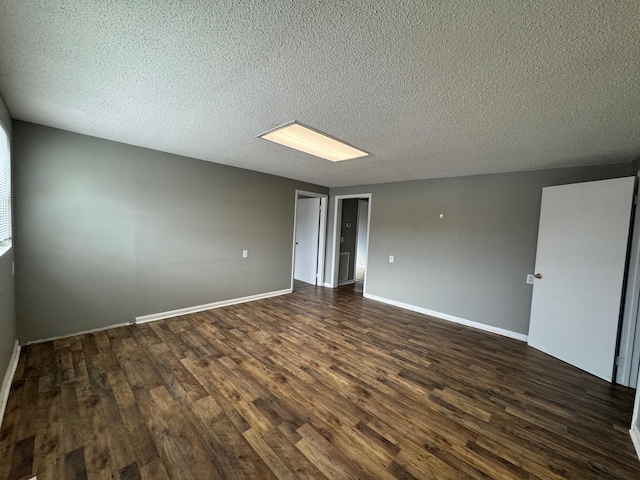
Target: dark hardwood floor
{"points": [[317, 384]]}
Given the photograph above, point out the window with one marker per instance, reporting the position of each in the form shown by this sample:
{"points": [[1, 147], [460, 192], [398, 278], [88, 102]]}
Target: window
{"points": [[5, 189]]}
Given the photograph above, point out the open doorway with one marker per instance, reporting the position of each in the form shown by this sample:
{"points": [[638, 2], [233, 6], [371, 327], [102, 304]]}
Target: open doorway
{"points": [[350, 241], [308, 239]]}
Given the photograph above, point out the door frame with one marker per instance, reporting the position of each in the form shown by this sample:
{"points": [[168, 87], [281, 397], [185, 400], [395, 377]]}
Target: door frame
{"points": [[322, 233], [358, 232], [337, 217], [628, 354]]}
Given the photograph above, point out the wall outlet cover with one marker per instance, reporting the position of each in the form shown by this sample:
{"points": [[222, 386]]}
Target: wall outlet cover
{"points": [[530, 278]]}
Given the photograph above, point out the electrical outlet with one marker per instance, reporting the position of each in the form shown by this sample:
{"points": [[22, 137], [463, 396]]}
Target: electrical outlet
{"points": [[245, 253], [530, 278], [442, 215], [391, 259]]}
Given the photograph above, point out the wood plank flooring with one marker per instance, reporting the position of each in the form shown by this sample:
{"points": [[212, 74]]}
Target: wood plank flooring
{"points": [[319, 384]]}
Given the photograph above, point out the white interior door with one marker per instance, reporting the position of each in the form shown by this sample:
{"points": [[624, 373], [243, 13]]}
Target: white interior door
{"points": [[582, 247], [307, 235], [363, 227]]}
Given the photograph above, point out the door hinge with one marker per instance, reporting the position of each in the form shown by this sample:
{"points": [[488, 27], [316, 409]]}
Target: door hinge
{"points": [[635, 199], [619, 361]]}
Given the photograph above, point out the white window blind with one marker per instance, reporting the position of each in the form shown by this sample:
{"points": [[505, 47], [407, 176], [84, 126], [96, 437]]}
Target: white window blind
{"points": [[5, 187]]}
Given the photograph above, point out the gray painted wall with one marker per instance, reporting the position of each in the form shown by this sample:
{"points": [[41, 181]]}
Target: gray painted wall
{"points": [[350, 217], [107, 232], [7, 286], [472, 263]]}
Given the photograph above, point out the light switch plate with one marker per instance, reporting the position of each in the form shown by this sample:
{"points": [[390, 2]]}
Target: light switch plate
{"points": [[245, 253], [391, 259], [530, 278]]}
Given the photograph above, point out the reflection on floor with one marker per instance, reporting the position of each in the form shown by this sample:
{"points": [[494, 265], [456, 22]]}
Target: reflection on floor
{"points": [[356, 288], [298, 284], [359, 273]]}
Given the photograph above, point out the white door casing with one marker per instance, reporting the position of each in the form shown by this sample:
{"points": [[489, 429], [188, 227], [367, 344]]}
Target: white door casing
{"points": [[337, 217], [581, 255]]}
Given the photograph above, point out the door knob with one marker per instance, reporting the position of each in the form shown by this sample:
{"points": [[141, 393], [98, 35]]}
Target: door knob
{"points": [[538, 275]]}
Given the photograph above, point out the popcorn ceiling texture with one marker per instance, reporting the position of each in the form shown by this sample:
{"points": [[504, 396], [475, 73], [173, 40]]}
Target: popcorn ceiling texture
{"points": [[430, 88]]}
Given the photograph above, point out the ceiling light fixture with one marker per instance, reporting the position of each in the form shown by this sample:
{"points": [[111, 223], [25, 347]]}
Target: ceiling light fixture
{"points": [[300, 137]]}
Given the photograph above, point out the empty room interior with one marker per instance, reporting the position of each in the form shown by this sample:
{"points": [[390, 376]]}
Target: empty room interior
{"points": [[320, 240]]}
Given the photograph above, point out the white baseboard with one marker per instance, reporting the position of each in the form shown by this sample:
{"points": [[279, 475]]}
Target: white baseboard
{"points": [[162, 315], [209, 306], [328, 285], [8, 379], [635, 438], [451, 318], [83, 332]]}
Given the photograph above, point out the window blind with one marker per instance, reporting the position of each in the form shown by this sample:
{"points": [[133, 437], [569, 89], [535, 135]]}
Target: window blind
{"points": [[5, 187]]}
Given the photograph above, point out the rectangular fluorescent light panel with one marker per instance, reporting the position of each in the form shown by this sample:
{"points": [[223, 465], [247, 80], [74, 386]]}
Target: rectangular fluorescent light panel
{"points": [[299, 137]]}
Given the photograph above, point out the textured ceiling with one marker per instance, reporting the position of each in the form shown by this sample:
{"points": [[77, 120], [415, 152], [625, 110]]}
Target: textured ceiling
{"points": [[430, 88]]}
